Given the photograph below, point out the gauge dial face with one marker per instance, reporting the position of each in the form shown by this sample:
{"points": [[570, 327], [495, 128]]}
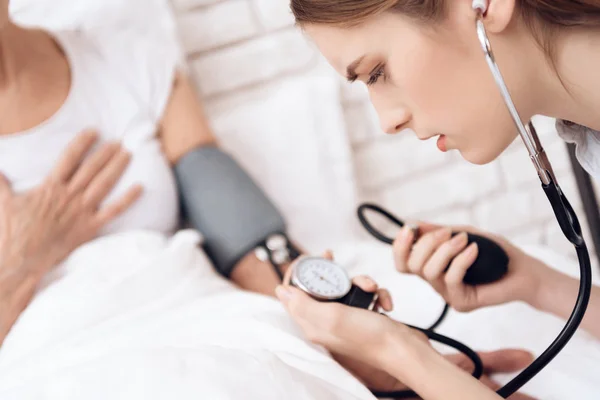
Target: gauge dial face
{"points": [[321, 278]]}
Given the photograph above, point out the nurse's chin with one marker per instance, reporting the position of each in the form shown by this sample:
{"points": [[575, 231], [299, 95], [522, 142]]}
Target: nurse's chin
{"points": [[478, 156]]}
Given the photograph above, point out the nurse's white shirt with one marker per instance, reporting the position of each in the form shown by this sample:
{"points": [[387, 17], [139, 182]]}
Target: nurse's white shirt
{"points": [[120, 87], [587, 145]]}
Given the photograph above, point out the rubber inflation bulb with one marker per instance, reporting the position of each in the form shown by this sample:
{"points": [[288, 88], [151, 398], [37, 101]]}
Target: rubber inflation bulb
{"points": [[491, 263]]}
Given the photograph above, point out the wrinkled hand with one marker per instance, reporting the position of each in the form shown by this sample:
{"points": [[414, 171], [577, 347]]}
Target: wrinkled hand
{"points": [[41, 227], [494, 362], [434, 249], [497, 362]]}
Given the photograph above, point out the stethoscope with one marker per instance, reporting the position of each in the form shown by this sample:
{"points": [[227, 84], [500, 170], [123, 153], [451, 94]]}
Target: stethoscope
{"points": [[566, 217]]}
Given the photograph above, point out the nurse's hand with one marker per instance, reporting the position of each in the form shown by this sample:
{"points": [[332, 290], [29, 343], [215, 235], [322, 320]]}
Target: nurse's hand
{"points": [[345, 330], [429, 256], [341, 329], [364, 341]]}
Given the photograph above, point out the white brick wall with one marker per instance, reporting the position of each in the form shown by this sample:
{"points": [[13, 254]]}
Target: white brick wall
{"points": [[236, 46], [273, 14], [265, 58], [199, 33]]}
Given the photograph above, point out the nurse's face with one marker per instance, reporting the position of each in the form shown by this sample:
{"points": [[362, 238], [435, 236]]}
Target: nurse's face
{"points": [[433, 80]]}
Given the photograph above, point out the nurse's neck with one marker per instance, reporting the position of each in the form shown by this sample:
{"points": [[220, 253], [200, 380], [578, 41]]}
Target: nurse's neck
{"points": [[578, 63]]}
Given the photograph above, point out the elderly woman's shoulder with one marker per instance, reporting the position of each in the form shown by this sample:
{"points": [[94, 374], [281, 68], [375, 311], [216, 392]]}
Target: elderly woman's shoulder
{"points": [[138, 63], [120, 47]]}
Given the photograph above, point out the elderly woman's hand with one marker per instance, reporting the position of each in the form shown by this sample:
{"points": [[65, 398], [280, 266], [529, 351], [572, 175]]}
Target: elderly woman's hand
{"points": [[39, 228]]}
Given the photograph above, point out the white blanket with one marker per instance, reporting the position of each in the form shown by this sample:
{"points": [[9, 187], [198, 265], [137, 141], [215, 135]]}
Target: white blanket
{"points": [[140, 316]]}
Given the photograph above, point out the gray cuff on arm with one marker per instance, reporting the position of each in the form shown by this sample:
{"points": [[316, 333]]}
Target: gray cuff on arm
{"points": [[225, 205]]}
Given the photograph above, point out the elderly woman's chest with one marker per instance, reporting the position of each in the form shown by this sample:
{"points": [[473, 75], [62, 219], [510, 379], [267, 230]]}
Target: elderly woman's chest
{"points": [[27, 159]]}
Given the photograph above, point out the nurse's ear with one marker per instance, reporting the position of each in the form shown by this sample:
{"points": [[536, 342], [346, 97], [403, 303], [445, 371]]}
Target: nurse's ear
{"points": [[498, 14]]}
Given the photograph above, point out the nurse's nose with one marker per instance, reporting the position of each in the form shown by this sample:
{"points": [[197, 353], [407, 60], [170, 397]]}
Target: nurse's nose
{"points": [[394, 120]]}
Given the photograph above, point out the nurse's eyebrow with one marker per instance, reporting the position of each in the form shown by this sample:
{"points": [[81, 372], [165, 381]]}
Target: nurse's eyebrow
{"points": [[351, 74]]}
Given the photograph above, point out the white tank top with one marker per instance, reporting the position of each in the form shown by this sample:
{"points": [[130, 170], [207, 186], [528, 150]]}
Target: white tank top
{"points": [[120, 86]]}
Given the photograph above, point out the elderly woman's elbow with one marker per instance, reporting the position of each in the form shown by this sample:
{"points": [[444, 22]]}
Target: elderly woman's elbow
{"points": [[184, 126]]}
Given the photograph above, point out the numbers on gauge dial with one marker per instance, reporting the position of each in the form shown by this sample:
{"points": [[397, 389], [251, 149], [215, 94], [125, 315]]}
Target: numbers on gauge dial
{"points": [[323, 278]]}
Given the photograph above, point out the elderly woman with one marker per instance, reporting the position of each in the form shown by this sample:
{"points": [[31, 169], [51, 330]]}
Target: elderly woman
{"points": [[89, 132]]}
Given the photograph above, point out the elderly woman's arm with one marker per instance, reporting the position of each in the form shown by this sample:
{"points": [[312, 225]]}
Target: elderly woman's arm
{"points": [[184, 127], [16, 291], [41, 227], [430, 374]]}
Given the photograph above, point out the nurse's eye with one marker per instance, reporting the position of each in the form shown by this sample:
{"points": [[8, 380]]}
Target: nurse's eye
{"points": [[376, 73]]}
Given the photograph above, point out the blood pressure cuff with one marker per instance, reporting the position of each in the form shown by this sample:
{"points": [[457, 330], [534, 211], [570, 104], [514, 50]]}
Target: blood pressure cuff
{"points": [[225, 205]]}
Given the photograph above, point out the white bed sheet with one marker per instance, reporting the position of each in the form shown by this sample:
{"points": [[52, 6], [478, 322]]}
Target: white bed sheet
{"points": [[142, 316]]}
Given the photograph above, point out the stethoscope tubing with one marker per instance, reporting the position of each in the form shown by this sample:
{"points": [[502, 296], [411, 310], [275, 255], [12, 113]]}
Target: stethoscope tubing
{"points": [[564, 213]]}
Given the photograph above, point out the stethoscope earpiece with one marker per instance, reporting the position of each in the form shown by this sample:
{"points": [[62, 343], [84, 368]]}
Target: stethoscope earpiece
{"points": [[480, 5]]}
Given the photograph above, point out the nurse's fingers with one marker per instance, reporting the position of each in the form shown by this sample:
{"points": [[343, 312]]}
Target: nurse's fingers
{"points": [[426, 227], [401, 248], [425, 247], [385, 300], [435, 267], [328, 255], [365, 283], [458, 268], [369, 285]]}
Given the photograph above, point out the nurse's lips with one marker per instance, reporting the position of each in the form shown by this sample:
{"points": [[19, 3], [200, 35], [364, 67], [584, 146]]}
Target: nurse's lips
{"points": [[441, 143]]}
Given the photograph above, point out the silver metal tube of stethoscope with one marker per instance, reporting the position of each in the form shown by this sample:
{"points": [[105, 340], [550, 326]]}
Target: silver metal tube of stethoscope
{"points": [[565, 215], [527, 133]]}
